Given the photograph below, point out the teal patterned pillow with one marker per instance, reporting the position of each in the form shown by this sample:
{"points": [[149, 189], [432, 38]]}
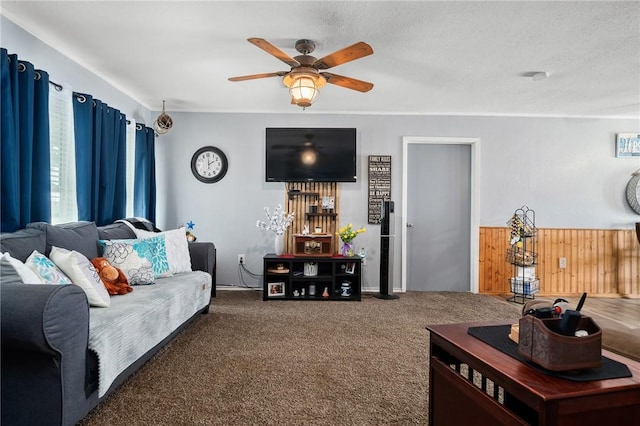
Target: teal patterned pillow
{"points": [[133, 254], [45, 269]]}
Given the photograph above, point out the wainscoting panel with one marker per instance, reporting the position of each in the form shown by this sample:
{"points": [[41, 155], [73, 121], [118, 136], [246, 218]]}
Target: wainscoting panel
{"points": [[604, 262]]}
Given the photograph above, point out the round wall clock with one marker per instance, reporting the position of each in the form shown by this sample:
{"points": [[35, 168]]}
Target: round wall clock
{"points": [[209, 164], [633, 192]]}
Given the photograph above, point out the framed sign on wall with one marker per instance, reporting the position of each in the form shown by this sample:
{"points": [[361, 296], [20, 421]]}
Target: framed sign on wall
{"points": [[379, 185], [628, 145]]}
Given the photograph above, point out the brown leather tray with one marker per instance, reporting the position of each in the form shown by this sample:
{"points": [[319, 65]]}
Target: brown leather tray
{"points": [[539, 342]]}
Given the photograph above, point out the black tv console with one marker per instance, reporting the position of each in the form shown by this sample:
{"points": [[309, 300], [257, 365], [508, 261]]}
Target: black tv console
{"points": [[290, 277]]}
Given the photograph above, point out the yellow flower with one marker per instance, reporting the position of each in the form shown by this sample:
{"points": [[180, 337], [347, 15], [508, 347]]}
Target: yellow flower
{"points": [[347, 233]]}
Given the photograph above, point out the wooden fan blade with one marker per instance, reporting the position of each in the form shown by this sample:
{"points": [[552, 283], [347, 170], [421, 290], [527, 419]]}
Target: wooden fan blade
{"points": [[254, 76], [274, 51], [348, 82], [353, 52]]}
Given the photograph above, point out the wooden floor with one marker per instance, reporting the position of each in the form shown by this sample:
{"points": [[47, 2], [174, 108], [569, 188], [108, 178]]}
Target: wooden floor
{"points": [[625, 312], [618, 318]]}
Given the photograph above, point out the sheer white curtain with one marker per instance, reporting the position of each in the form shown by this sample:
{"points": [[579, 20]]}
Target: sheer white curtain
{"points": [[131, 163], [63, 172]]}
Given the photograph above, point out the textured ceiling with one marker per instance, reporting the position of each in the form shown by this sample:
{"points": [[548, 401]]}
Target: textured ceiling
{"points": [[452, 57]]}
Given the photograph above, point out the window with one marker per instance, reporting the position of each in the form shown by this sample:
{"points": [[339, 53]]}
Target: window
{"points": [[131, 163], [63, 174], [64, 207]]}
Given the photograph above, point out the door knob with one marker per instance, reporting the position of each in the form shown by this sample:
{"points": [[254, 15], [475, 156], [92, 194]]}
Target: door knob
{"points": [[409, 224]]}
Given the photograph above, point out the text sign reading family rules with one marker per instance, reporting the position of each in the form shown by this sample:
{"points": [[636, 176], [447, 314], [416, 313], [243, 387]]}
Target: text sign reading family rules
{"points": [[628, 145], [379, 185]]}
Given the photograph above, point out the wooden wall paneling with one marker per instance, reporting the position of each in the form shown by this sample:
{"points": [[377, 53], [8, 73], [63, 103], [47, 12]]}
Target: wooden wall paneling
{"points": [[310, 193], [581, 256], [633, 286], [599, 262], [544, 260], [336, 220], [483, 265], [591, 263], [600, 242], [623, 266], [562, 250], [499, 240], [629, 256], [493, 272], [635, 269], [573, 255]]}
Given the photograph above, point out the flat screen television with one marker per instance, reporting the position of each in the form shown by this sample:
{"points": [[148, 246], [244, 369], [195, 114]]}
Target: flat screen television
{"points": [[310, 155]]}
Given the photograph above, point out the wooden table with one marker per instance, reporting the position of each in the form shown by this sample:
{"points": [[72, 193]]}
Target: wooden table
{"points": [[472, 383]]}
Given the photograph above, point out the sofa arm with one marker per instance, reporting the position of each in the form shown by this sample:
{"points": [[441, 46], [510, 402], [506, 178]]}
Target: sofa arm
{"points": [[45, 333], [203, 258]]}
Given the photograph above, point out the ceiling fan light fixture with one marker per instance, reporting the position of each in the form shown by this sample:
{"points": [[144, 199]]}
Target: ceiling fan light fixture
{"points": [[304, 87], [303, 91], [163, 123]]}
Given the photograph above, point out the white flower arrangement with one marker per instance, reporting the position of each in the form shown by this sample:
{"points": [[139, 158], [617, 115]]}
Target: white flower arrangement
{"points": [[278, 222]]}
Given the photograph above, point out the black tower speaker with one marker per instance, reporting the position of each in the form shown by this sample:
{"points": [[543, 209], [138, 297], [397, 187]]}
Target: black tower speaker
{"points": [[386, 250]]}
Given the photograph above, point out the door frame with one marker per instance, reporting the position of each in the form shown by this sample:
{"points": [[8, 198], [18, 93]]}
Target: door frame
{"points": [[474, 250]]}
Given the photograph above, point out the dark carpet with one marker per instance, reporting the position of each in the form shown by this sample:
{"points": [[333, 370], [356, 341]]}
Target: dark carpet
{"points": [[296, 362]]}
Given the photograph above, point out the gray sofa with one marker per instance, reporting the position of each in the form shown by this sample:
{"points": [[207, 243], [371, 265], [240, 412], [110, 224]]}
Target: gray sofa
{"points": [[53, 359]]}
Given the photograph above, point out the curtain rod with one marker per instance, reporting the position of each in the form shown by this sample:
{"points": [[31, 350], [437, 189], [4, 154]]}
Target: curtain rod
{"points": [[59, 88], [56, 85]]}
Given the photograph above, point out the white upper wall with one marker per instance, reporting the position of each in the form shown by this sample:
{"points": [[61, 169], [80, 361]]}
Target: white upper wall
{"points": [[61, 69]]}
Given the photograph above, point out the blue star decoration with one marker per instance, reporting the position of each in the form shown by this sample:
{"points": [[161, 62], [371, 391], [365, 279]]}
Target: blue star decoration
{"points": [[190, 225]]}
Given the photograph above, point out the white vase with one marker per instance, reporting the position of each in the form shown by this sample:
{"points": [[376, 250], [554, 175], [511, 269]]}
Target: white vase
{"points": [[279, 243]]}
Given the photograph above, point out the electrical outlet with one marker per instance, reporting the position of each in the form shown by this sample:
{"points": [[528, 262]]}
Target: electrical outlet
{"points": [[562, 262], [241, 259]]}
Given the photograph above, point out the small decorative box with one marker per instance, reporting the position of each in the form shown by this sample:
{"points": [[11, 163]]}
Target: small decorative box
{"points": [[312, 245]]}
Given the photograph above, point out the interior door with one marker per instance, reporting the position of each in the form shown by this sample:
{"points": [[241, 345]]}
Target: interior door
{"points": [[438, 217]]}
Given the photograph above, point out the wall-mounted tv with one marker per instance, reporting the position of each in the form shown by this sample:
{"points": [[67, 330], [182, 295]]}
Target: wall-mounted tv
{"points": [[310, 155]]}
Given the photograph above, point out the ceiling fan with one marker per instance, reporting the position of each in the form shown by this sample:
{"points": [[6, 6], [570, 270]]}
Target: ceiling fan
{"points": [[305, 77]]}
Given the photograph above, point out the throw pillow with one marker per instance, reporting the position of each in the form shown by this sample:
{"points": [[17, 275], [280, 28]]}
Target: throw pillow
{"points": [[46, 270], [15, 271], [82, 273], [133, 257], [154, 250], [176, 245]]}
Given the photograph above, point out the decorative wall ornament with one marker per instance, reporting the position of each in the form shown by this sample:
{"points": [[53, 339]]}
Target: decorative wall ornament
{"points": [[163, 123], [633, 192]]}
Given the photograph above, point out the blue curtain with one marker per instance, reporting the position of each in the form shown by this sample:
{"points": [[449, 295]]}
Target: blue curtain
{"points": [[24, 153], [144, 198], [100, 138]]}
